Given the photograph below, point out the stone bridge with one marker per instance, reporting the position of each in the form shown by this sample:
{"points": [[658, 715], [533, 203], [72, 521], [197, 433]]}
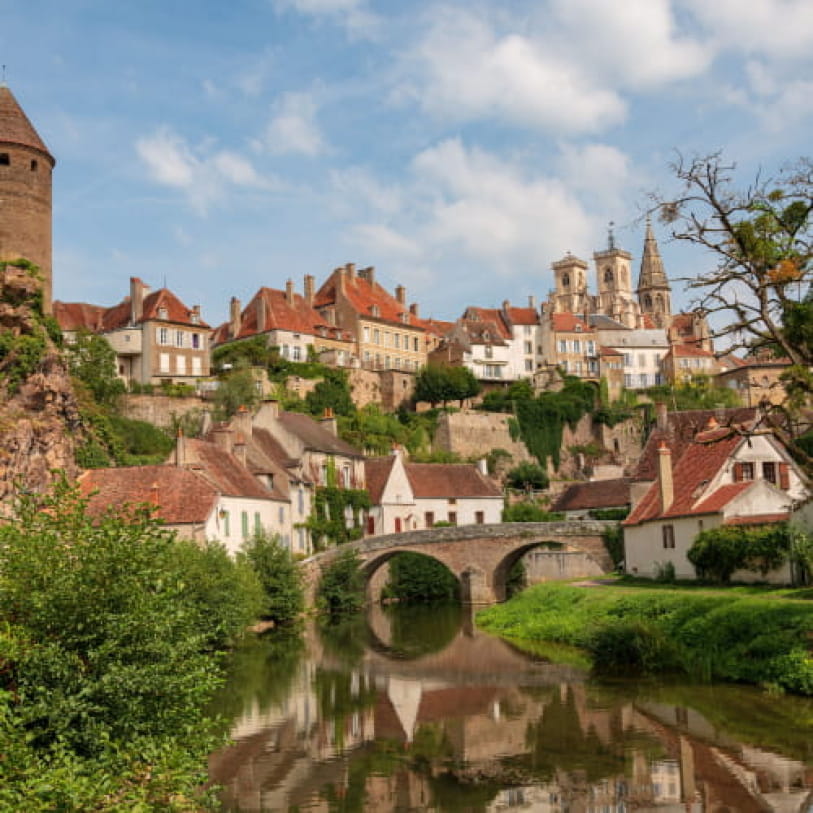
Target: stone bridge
{"points": [[479, 556]]}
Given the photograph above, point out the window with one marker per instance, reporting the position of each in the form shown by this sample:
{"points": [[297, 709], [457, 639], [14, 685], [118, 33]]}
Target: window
{"points": [[180, 365], [452, 518], [527, 330], [163, 335], [244, 524], [376, 336], [529, 347], [282, 515], [577, 346], [196, 366], [562, 346], [258, 526], [529, 365], [415, 344], [668, 534], [296, 352], [627, 380], [196, 341], [370, 526], [224, 515], [178, 338], [162, 313], [429, 519], [301, 501], [34, 164], [643, 380], [163, 362], [398, 527], [479, 517], [346, 475], [641, 360], [397, 339], [366, 333], [4, 159], [591, 348], [628, 359], [743, 472], [452, 501], [769, 472]]}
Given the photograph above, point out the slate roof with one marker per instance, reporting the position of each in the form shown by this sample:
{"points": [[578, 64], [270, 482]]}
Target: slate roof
{"points": [[601, 321], [182, 497], [314, 436], [446, 480], [15, 128], [377, 471], [598, 494]]}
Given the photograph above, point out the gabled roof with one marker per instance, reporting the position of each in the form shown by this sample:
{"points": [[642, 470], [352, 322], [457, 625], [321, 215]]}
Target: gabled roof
{"points": [[609, 351], [688, 350], [482, 332], [78, 315], [377, 472], [225, 472], [493, 316], [600, 321], [15, 128], [597, 494], [456, 480], [314, 436], [438, 327], [164, 299], [180, 496], [523, 316], [569, 323]]}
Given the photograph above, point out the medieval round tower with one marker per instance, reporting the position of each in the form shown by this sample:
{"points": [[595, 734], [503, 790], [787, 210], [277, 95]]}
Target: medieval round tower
{"points": [[25, 191]]}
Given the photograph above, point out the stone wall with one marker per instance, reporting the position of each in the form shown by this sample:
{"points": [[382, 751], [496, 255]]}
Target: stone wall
{"points": [[388, 388], [161, 409], [474, 434]]}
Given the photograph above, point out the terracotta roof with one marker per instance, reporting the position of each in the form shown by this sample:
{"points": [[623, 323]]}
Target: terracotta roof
{"points": [[598, 494], [609, 351], [482, 332], [314, 436], [176, 310], [181, 497], [376, 473], [15, 128], [569, 323], [492, 315], [758, 519], [647, 322], [78, 315], [225, 472], [436, 326], [681, 427], [689, 350], [523, 316], [449, 480], [363, 296]]}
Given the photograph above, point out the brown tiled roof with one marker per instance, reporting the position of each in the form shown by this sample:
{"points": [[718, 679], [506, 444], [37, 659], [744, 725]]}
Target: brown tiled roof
{"points": [[680, 431], [523, 316], [483, 332], [272, 449], [225, 472], [376, 473], [15, 128], [180, 496], [177, 312], [78, 315], [362, 296], [648, 322], [689, 349], [609, 351], [315, 436], [491, 315], [569, 323], [449, 480], [599, 494], [436, 326], [758, 519]]}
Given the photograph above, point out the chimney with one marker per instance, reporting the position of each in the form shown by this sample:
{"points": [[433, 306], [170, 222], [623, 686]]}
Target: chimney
{"points": [[234, 317], [661, 416], [136, 300], [350, 268], [532, 301], [289, 292], [482, 466], [261, 313], [242, 421], [267, 414], [413, 309], [329, 422], [309, 289], [665, 476], [400, 294], [223, 438], [240, 451], [369, 274], [340, 286], [506, 305], [180, 449]]}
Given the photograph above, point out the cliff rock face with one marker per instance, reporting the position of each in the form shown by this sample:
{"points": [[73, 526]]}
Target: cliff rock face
{"points": [[39, 415]]}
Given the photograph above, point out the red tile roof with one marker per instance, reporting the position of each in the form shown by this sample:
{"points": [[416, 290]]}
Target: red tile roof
{"points": [[683, 350], [569, 323], [177, 312], [225, 472], [314, 436], [758, 519], [491, 315], [181, 496], [436, 326], [523, 316], [449, 480], [599, 494], [78, 315], [377, 471], [609, 351]]}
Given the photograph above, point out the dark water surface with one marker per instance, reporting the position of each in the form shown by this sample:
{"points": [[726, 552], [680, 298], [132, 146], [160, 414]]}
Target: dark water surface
{"points": [[415, 709]]}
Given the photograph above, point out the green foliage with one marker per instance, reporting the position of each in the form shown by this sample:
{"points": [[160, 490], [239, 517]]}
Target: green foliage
{"points": [[529, 511], [516, 580], [92, 361], [609, 513], [332, 392], [665, 572], [342, 586], [613, 538], [699, 395], [106, 628], [415, 578], [328, 522], [722, 635], [234, 390], [143, 442], [437, 384], [718, 552], [19, 357], [527, 476], [496, 459], [279, 576], [252, 352]]}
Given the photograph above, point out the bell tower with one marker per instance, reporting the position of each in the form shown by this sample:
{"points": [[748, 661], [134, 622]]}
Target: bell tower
{"points": [[654, 293], [570, 275], [615, 283], [25, 192]]}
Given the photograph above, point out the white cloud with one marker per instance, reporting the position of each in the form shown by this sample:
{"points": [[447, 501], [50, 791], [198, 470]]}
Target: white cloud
{"points": [[635, 42], [205, 177], [293, 129], [599, 170], [463, 69], [378, 239], [356, 189], [353, 14], [779, 100]]}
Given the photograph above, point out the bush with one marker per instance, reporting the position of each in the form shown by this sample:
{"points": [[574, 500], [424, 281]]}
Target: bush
{"points": [[529, 512], [279, 576], [527, 476], [415, 577], [342, 587]]}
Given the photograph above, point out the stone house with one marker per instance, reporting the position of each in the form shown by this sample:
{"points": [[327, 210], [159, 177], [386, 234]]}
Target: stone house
{"points": [[757, 380], [482, 345], [579, 499], [724, 475], [155, 336], [414, 496], [685, 363]]}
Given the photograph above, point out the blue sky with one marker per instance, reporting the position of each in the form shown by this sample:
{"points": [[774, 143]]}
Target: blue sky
{"points": [[460, 147]]}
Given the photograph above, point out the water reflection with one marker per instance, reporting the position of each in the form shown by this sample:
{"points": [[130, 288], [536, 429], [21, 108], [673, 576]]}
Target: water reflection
{"points": [[414, 709]]}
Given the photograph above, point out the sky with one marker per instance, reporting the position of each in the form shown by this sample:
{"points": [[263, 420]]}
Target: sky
{"points": [[459, 147]]}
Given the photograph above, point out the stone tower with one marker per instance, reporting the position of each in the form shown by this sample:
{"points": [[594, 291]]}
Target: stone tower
{"points": [[25, 191], [654, 293], [570, 274], [615, 283]]}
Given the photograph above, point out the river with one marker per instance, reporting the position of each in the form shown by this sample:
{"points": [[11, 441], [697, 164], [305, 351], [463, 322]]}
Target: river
{"points": [[413, 708]]}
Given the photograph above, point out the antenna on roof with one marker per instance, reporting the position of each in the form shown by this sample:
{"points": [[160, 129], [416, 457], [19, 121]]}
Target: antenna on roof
{"points": [[610, 236]]}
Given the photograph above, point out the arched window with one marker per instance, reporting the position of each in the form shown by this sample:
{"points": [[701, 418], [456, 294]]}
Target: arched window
{"points": [[608, 275], [648, 302], [659, 302], [565, 280]]}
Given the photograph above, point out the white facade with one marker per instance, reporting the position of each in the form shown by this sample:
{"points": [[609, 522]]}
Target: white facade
{"points": [[458, 510], [643, 352]]}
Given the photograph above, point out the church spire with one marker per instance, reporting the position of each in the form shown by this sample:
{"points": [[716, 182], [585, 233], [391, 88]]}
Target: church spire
{"points": [[652, 273]]}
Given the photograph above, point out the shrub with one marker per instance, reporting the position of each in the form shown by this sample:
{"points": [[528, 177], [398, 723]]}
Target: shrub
{"points": [[415, 577], [527, 476], [279, 576], [342, 586], [529, 512]]}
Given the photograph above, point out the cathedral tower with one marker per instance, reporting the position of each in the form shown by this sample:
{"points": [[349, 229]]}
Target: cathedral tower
{"points": [[615, 283], [570, 274], [654, 293], [25, 191]]}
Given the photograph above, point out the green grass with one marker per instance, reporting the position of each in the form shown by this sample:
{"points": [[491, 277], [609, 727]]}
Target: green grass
{"points": [[745, 634]]}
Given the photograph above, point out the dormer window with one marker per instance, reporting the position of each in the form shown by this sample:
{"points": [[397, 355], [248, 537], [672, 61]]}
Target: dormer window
{"points": [[375, 310], [578, 328], [162, 313], [405, 317], [195, 318]]}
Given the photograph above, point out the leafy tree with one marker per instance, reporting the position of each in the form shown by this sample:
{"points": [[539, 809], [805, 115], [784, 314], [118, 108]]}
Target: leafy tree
{"points": [[438, 384], [331, 392], [761, 239], [234, 390], [415, 577], [529, 512], [92, 360], [279, 576], [342, 587], [527, 476]]}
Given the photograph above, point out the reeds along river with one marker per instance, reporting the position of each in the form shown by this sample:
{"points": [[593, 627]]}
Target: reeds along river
{"points": [[413, 708]]}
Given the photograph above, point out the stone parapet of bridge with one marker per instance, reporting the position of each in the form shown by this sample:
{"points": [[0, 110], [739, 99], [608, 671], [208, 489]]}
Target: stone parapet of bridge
{"points": [[480, 556]]}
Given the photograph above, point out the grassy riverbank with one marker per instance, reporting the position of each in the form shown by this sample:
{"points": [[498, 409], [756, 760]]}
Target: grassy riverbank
{"points": [[745, 635]]}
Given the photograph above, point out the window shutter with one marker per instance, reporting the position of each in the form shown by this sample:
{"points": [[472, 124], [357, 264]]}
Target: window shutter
{"points": [[738, 472], [784, 476]]}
